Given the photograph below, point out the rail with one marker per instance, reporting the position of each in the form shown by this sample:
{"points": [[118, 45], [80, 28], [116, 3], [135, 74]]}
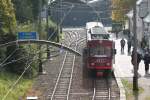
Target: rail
{"points": [[64, 79], [101, 89]]}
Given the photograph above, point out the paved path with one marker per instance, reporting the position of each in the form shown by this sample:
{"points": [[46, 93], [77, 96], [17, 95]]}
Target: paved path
{"points": [[123, 67], [123, 62]]}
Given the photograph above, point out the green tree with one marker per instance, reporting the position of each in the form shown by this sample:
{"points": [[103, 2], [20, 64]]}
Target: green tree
{"points": [[120, 8], [8, 17], [119, 11], [27, 9], [8, 23], [23, 10]]}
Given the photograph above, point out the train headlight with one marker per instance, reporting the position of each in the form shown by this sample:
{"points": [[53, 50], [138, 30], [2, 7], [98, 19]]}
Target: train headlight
{"points": [[92, 64], [100, 41], [108, 64]]}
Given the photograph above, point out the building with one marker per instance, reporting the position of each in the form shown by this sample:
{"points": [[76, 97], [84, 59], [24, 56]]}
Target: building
{"points": [[142, 20], [77, 14], [147, 24]]}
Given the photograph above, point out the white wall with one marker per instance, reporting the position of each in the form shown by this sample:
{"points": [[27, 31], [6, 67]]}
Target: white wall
{"points": [[139, 25]]}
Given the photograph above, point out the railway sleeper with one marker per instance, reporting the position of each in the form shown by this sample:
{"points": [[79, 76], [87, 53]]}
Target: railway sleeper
{"points": [[61, 92], [63, 86]]}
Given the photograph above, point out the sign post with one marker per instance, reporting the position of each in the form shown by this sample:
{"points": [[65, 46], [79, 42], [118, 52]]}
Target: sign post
{"points": [[27, 35]]}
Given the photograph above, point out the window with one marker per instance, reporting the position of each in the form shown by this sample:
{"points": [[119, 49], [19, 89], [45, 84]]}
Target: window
{"points": [[100, 51], [100, 36]]}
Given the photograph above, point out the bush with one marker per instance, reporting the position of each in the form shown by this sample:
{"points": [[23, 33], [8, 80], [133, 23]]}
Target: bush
{"points": [[19, 66]]}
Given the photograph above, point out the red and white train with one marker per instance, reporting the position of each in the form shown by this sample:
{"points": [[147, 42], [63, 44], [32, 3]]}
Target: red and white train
{"points": [[98, 55]]}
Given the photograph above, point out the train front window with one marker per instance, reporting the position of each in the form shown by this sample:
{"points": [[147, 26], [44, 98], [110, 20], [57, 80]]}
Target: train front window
{"points": [[100, 36], [100, 51]]}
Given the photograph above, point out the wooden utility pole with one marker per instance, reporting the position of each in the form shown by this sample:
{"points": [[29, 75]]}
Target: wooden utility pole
{"points": [[135, 77]]}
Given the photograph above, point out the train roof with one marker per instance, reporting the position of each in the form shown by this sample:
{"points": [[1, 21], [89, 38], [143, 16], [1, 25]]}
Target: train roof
{"points": [[97, 33], [98, 30], [101, 40], [89, 25]]}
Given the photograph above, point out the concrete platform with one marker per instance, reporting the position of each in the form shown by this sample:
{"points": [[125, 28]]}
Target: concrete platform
{"points": [[123, 70]]}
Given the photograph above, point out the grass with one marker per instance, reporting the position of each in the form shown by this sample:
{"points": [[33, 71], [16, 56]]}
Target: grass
{"points": [[129, 90], [7, 80], [147, 98]]}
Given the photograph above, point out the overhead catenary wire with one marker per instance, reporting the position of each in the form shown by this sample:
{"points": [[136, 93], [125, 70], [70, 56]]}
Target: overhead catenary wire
{"points": [[67, 14], [27, 66], [2, 64], [8, 57], [98, 12], [16, 60], [61, 22], [22, 58], [63, 19], [12, 61], [83, 5], [15, 83], [84, 10]]}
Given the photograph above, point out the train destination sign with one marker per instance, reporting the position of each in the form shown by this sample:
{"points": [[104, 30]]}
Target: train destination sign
{"points": [[27, 35]]}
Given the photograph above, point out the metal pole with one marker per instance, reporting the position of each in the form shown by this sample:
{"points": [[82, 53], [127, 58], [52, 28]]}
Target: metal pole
{"points": [[39, 31], [57, 20], [135, 77], [47, 26]]}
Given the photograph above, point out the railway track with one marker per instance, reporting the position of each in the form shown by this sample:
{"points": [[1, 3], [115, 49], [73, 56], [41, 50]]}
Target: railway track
{"points": [[102, 89], [64, 80]]}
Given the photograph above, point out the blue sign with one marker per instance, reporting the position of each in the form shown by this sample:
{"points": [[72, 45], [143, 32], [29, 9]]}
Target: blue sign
{"points": [[27, 35]]}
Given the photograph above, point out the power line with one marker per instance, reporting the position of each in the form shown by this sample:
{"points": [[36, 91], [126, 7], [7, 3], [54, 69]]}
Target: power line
{"points": [[61, 22], [15, 83], [16, 60], [58, 9], [28, 64], [101, 11], [8, 56]]}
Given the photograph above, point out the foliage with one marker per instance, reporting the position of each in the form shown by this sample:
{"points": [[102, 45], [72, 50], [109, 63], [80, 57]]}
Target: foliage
{"points": [[2, 54], [28, 9], [27, 12], [19, 66], [7, 17], [147, 98], [120, 8], [6, 81], [129, 89], [27, 27], [8, 24], [37, 4], [116, 26], [23, 10]]}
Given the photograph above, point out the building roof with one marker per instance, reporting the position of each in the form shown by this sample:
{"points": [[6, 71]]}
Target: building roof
{"points": [[147, 18]]}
